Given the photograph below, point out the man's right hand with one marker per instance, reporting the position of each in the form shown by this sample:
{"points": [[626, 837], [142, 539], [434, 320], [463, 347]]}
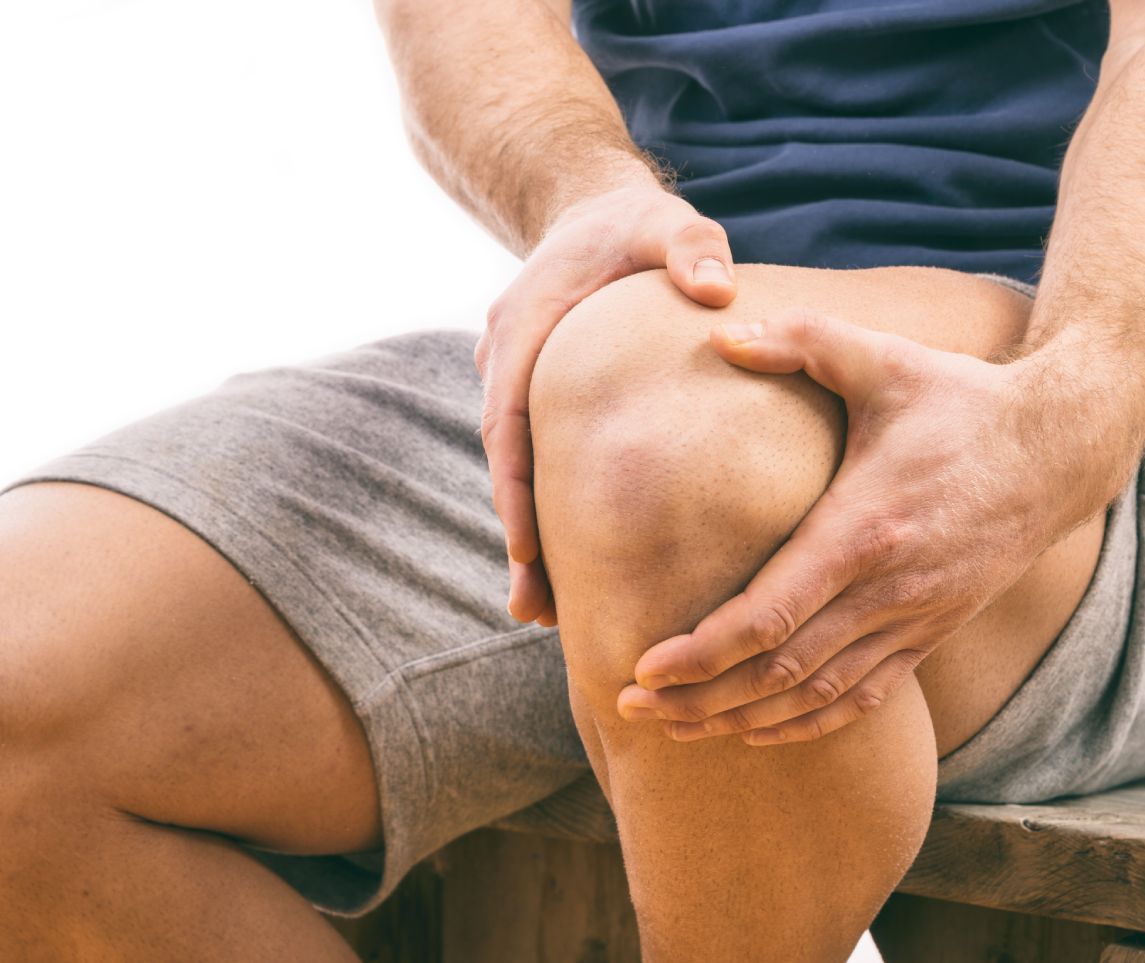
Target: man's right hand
{"points": [[592, 243]]}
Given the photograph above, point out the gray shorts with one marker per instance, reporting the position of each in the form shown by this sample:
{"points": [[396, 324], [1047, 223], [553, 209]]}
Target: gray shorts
{"points": [[353, 492]]}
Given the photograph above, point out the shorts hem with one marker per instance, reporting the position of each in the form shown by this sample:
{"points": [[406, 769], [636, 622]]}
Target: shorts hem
{"points": [[997, 764]]}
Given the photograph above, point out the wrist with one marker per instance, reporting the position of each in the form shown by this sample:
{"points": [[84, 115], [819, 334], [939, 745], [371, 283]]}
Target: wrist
{"points": [[1078, 409], [630, 179]]}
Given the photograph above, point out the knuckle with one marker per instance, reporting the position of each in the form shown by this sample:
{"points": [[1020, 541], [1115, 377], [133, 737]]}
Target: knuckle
{"points": [[490, 410], [758, 683], [785, 671], [897, 359], [868, 699], [820, 691], [702, 230], [494, 314], [689, 712], [883, 541], [490, 418], [906, 371], [738, 719], [770, 624], [808, 326]]}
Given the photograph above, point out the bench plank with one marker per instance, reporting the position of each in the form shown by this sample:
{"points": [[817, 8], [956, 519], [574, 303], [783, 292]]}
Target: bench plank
{"points": [[1079, 859], [528, 899], [1131, 950], [910, 929], [495, 896]]}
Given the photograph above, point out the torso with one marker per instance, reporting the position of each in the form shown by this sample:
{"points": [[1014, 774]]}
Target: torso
{"points": [[858, 133]]}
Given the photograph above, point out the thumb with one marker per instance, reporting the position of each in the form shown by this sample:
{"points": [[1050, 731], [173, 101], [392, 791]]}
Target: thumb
{"points": [[699, 261], [844, 358]]}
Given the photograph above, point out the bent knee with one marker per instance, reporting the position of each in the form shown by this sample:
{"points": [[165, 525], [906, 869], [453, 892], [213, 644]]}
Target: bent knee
{"points": [[644, 430], [663, 474], [669, 476]]}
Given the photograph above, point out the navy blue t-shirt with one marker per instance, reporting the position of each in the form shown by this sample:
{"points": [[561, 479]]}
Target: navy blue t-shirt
{"points": [[857, 133]]}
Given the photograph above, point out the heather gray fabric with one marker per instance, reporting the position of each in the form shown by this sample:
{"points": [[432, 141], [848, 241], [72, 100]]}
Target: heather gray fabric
{"points": [[353, 492], [1077, 723]]}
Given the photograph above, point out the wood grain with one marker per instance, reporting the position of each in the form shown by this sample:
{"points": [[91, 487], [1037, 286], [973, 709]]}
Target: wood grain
{"points": [[501, 897], [1061, 882], [914, 929], [1129, 950], [1079, 859], [508, 896]]}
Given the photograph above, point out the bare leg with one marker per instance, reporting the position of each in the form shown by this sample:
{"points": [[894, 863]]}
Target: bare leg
{"points": [[664, 479], [155, 709]]}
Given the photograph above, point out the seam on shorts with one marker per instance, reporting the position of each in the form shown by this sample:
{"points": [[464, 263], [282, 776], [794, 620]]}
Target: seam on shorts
{"points": [[474, 651]]}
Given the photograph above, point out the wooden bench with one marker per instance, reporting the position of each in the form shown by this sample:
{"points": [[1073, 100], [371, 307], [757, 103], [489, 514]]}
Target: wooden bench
{"points": [[1056, 883]]}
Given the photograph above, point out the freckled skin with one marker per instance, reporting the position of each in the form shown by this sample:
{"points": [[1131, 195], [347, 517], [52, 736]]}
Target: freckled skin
{"points": [[665, 477]]}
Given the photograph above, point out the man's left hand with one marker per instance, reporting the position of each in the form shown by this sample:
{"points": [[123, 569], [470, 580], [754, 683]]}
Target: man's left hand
{"points": [[942, 501]]}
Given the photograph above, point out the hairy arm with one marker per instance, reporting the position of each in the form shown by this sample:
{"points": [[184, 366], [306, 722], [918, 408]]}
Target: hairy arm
{"points": [[1087, 328], [512, 119], [506, 112]]}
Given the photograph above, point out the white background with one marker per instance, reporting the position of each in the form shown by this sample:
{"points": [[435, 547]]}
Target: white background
{"points": [[192, 189]]}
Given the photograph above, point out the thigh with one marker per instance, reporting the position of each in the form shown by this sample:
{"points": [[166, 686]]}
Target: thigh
{"points": [[144, 673], [646, 345]]}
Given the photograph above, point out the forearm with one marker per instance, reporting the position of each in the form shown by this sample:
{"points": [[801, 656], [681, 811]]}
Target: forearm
{"points": [[1087, 327], [506, 112]]}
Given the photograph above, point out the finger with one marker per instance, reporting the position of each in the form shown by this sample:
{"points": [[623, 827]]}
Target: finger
{"points": [[508, 447], [528, 590], [831, 631], [548, 618], [506, 357], [826, 685], [861, 700], [521, 320], [515, 334], [695, 251], [806, 573], [845, 358], [519, 323]]}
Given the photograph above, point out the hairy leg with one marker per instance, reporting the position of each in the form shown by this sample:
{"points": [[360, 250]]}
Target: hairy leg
{"points": [[154, 710], [664, 479]]}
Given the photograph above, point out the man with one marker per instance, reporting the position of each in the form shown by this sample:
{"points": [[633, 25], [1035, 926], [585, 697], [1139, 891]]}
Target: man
{"points": [[286, 643]]}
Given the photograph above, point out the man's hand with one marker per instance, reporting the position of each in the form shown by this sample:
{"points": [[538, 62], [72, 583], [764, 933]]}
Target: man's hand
{"points": [[592, 243], [942, 501]]}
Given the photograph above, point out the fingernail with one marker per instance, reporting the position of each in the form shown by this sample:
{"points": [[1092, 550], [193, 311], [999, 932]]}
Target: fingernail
{"points": [[689, 731], [765, 737], [711, 269], [739, 333], [659, 681], [637, 713]]}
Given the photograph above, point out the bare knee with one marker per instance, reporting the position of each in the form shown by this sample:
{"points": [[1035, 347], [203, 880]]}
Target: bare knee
{"points": [[663, 474], [666, 474]]}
